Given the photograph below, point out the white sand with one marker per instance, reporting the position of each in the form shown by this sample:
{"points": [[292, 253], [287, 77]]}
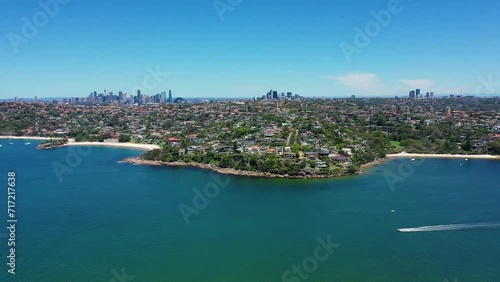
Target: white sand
{"points": [[443, 156], [145, 147], [71, 142]]}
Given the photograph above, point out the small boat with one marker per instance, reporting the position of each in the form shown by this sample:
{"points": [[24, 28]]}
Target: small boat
{"points": [[27, 143], [393, 211], [1, 145], [412, 160], [466, 160]]}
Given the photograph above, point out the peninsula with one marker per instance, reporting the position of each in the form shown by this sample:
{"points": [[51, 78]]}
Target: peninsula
{"points": [[284, 138]]}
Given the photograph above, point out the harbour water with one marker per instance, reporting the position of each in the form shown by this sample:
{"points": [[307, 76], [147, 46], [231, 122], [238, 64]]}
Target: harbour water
{"points": [[83, 216]]}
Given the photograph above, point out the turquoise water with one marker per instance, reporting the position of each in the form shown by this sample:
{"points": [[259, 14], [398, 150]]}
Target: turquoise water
{"points": [[103, 217]]}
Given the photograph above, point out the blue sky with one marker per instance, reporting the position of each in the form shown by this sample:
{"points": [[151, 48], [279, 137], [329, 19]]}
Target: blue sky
{"points": [[248, 47]]}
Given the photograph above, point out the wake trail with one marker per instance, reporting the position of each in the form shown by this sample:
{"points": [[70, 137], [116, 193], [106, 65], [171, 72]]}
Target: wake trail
{"points": [[452, 227]]}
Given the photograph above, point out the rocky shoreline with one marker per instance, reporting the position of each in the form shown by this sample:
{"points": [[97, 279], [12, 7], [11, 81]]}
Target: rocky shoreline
{"points": [[230, 171], [48, 146], [227, 171], [53, 144]]}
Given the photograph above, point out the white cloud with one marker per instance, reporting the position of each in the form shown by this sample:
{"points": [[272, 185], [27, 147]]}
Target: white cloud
{"points": [[418, 83], [358, 81]]}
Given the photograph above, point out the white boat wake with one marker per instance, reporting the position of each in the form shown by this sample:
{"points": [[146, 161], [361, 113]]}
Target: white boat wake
{"points": [[452, 227]]}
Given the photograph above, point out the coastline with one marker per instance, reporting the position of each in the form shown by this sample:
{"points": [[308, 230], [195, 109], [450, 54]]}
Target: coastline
{"points": [[371, 164], [226, 171], [71, 142], [230, 171], [146, 147]]}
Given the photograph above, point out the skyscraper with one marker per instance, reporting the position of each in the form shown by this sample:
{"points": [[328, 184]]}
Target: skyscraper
{"points": [[275, 95], [170, 96], [138, 97], [417, 93]]}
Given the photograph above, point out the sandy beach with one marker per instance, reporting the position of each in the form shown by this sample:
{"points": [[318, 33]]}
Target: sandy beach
{"points": [[71, 142], [443, 156], [145, 147]]}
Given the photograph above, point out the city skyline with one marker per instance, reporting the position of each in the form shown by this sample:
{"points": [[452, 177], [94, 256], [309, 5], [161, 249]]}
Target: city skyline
{"points": [[110, 97], [369, 48]]}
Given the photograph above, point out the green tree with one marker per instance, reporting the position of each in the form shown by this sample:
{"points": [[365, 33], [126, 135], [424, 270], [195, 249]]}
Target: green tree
{"points": [[124, 138], [467, 146], [495, 147]]}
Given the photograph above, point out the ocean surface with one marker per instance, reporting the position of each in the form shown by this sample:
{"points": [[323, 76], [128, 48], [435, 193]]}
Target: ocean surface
{"points": [[82, 216]]}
